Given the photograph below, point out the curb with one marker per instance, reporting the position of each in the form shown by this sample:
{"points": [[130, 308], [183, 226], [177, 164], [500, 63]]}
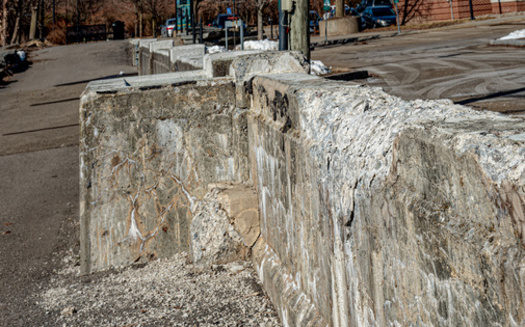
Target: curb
{"points": [[356, 39]]}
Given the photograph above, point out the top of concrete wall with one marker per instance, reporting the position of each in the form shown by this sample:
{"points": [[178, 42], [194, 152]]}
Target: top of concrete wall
{"points": [[164, 52], [191, 50], [164, 44], [218, 64], [143, 82], [144, 43]]}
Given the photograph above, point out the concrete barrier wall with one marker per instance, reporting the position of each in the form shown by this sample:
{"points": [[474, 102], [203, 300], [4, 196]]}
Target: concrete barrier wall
{"points": [[374, 211], [383, 212], [150, 146]]}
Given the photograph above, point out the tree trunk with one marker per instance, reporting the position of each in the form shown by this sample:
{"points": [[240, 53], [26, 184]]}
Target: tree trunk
{"points": [[339, 8], [42, 17], [140, 24], [260, 31], [3, 24], [153, 27], [34, 18], [17, 27]]}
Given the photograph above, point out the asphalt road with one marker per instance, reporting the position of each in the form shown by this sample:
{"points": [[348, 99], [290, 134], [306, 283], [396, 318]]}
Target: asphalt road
{"points": [[39, 169], [455, 63]]}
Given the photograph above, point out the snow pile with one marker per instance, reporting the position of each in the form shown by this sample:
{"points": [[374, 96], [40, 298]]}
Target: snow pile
{"points": [[215, 49], [514, 35], [318, 68], [265, 45]]}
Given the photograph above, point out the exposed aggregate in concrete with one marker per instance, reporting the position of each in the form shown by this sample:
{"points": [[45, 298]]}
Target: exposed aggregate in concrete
{"points": [[166, 292]]}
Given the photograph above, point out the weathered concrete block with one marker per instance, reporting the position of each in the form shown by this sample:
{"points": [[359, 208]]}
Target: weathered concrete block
{"points": [[244, 68], [178, 55], [218, 64], [158, 45], [189, 63], [387, 212], [340, 26], [147, 156]]}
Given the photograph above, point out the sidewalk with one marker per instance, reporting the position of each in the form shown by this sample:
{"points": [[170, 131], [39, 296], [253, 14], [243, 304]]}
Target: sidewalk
{"points": [[321, 41]]}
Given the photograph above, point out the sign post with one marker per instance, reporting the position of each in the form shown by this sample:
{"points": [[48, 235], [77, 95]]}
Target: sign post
{"points": [[397, 16]]}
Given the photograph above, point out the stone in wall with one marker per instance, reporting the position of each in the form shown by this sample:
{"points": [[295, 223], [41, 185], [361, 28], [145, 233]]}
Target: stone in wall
{"points": [[383, 212]]}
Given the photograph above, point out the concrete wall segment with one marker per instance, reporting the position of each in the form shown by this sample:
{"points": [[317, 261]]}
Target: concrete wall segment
{"points": [[140, 169], [374, 245], [191, 50]]}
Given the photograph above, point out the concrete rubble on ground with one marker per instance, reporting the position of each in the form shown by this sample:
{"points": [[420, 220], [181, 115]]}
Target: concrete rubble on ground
{"points": [[167, 292], [373, 211]]}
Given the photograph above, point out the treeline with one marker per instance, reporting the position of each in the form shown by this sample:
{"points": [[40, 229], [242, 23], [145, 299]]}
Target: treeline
{"points": [[23, 20]]}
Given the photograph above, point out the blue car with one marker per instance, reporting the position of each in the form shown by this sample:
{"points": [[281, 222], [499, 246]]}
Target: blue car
{"points": [[378, 16]]}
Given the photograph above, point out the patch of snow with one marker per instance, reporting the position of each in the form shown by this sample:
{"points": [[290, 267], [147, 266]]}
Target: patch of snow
{"points": [[318, 68], [514, 35], [265, 45], [215, 49]]}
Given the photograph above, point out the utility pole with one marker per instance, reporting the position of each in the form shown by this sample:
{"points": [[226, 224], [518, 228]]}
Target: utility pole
{"points": [[192, 14], [283, 24], [339, 8], [299, 28]]}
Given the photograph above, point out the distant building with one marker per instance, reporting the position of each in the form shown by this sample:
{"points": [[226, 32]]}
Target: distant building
{"points": [[414, 11]]}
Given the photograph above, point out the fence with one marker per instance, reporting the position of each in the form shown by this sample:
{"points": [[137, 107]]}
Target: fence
{"points": [[85, 33]]}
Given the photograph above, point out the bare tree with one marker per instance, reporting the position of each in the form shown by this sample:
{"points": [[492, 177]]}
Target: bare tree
{"points": [[156, 8], [138, 6]]}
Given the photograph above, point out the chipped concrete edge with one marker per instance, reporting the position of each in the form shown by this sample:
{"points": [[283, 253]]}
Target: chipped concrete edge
{"points": [[294, 306]]}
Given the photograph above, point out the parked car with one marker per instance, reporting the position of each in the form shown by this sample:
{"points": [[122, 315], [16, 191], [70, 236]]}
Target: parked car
{"points": [[378, 16], [372, 3], [220, 20], [314, 21], [170, 26]]}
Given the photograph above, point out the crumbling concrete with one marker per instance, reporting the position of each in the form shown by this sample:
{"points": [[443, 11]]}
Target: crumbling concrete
{"points": [[225, 226], [373, 211]]}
